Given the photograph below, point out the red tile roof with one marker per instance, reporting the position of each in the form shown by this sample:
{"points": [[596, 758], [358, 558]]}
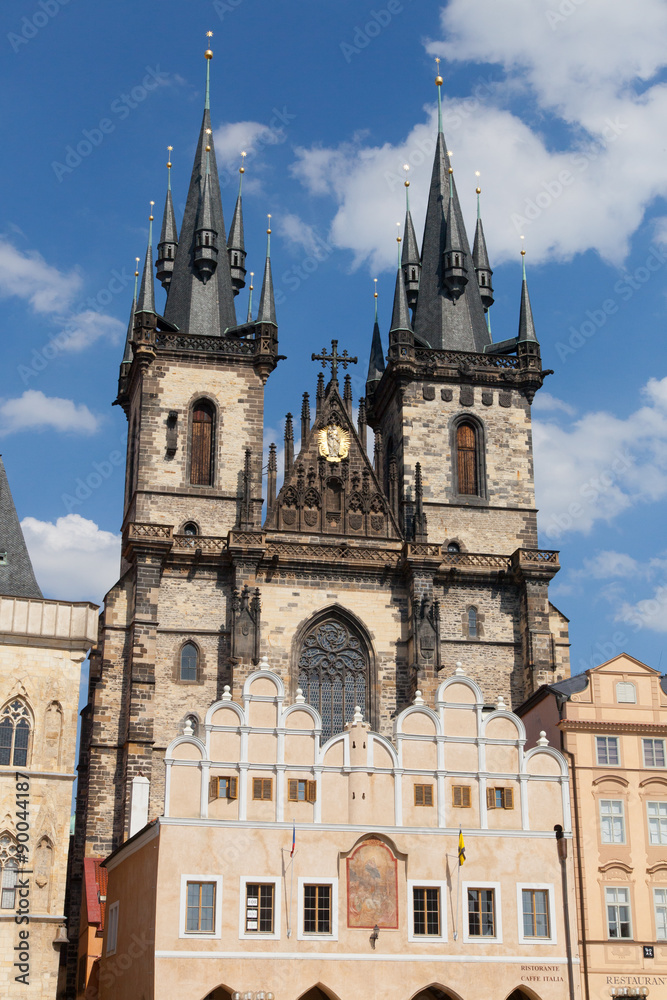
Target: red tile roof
{"points": [[95, 881]]}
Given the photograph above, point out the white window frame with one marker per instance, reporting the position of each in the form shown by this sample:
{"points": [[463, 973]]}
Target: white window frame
{"points": [[615, 888], [497, 913], [551, 904], [627, 686], [656, 802], [659, 888], [429, 883], [301, 935], [653, 740], [260, 880], [112, 928], [622, 817], [597, 755], [183, 909]]}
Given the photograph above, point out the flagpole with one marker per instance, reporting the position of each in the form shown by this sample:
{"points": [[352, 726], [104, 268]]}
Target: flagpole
{"points": [[458, 898], [291, 888]]}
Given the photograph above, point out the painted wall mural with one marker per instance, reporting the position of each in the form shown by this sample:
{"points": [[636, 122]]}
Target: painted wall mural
{"points": [[372, 887]]}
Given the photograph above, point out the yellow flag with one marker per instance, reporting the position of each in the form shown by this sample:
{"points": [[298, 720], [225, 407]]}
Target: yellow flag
{"points": [[462, 849]]}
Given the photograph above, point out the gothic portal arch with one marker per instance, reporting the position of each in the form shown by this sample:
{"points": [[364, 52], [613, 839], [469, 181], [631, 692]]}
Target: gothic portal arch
{"points": [[318, 992], [334, 665], [435, 992]]}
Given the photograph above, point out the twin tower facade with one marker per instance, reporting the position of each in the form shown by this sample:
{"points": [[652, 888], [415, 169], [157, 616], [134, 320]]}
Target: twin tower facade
{"points": [[375, 569]]}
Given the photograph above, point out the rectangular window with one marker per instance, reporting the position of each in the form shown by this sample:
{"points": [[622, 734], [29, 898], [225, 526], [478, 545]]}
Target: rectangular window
{"points": [[317, 909], [9, 879], [654, 753], [262, 788], [500, 798], [426, 910], [259, 908], [423, 795], [301, 791], [612, 821], [223, 788], [607, 750], [461, 796], [481, 913], [657, 822], [660, 906], [535, 913], [112, 932], [618, 913], [200, 907]]}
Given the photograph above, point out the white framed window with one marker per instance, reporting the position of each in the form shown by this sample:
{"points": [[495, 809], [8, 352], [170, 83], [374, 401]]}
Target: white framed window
{"points": [[607, 752], [427, 910], [612, 821], [482, 915], [259, 909], [112, 928], [654, 753], [200, 912], [657, 822], [660, 910], [619, 923], [317, 907], [626, 693], [536, 912]]}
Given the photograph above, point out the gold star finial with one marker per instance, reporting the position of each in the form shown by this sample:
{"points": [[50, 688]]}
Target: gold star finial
{"points": [[269, 229], [523, 249], [136, 273], [243, 156], [375, 293], [150, 217], [209, 54], [406, 167], [438, 79]]}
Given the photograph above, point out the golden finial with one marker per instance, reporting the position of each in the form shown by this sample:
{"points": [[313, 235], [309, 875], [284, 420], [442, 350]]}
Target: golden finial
{"points": [[208, 141], [150, 217], [451, 170], [406, 167], [398, 234], [136, 273], [169, 148], [269, 229], [478, 189], [523, 249], [242, 168], [208, 54], [375, 293], [438, 79], [252, 275]]}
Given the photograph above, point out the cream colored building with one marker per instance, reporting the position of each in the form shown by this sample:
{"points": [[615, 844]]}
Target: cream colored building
{"points": [[612, 721], [206, 900], [42, 646]]}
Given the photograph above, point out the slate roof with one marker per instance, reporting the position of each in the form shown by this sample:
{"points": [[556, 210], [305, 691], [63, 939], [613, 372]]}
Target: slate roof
{"points": [[17, 577]]}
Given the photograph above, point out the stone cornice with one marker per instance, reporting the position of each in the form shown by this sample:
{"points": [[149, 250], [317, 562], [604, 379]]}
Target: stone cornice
{"points": [[593, 726]]}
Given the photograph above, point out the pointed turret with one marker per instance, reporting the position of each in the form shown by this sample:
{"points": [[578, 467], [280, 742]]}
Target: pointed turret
{"points": [[267, 306], [146, 300], [376, 361], [17, 577], [410, 259], [400, 332], [206, 235], [236, 241], [480, 259], [447, 318], [168, 245], [201, 301], [455, 269], [526, 333], [127, 354]]}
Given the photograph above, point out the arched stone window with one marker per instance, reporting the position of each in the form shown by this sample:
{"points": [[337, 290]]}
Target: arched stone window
{"points": [[8, 871], [201, 450], [15, 729], [472, 623], [189, 662], [466, 453], [334, 672]]}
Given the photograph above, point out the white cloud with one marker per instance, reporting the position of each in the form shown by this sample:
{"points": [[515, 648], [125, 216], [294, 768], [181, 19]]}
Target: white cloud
{"points": [[232, 138], [302, 236], [545, 403], [607, 564], [35, 411], [84, 328], [73, 559], [598, 465], [27, 275], [650, 613]]}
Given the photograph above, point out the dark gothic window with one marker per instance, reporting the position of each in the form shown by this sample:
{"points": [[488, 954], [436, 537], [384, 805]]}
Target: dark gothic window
{"points": [[333, 674], [189, 657], [201, 458], [190, 528], [472, 623], [8, 871], [14, 734], [466, 449]]}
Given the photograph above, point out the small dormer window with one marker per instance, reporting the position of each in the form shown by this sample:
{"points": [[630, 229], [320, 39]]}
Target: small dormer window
{"points": [[206, 239], [190, 528], [3, 558], [626, 693], [453, 547]]}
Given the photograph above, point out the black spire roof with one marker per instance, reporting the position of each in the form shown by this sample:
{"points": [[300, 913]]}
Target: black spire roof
{"points": [[169, 233], [526, 324], [443, 320], [146, 300], [400, 317], [376, 360], [17, 577], [267, 306]]}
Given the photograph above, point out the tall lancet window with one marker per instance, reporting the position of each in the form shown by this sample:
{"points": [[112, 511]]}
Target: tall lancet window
{"points": [[8, 871], [201, 454], [333, 673], [467, 463], [14, 734]]}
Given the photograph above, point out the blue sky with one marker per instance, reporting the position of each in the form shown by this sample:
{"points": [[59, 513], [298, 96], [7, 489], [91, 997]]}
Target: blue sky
{"points": [[559, 104]]}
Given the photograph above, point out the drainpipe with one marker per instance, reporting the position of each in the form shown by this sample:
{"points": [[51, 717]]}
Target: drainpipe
{"points": [[561, 843]]}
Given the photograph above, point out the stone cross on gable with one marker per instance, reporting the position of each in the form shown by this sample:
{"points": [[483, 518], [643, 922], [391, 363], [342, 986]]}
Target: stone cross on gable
{"points": [[334, 359]]}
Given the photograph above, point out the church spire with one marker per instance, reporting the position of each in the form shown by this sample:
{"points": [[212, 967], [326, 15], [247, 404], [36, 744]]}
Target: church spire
{"points": [[400, 331], [146, 300], [127, 354], [376, 361], [17, 577], [166, 248], [206, 235], [526, 325], [201, 300], [236, 241], [446, 317], [455, 272], [267, 306], [480, 259], [410, 259]]}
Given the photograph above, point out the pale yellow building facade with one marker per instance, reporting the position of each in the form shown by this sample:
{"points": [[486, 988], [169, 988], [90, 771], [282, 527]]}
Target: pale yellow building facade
{"points": [[332, 870], [613, 721]]}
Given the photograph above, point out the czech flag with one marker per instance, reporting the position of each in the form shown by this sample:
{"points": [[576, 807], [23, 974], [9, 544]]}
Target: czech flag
{"points": [[291, 853], [462, 848]]}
